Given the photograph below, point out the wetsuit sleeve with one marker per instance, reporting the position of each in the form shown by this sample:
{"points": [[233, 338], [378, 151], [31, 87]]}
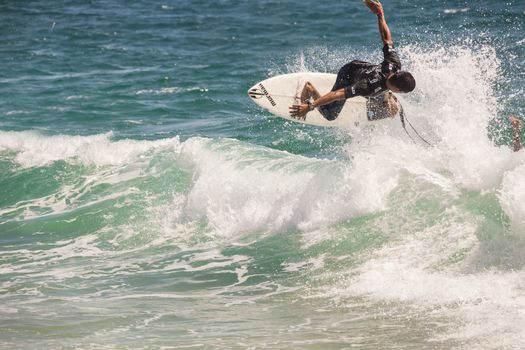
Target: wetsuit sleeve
{"points": [[391, 62]]}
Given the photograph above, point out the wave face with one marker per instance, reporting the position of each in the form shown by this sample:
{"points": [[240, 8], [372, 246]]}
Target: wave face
{"points": [[146, 205]]}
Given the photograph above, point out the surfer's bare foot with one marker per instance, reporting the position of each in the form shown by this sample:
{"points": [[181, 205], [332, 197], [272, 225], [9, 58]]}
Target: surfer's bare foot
{"points": [[516, 128]]}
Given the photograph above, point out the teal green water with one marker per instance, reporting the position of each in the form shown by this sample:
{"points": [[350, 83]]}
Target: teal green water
{"points": [[147, 203]]}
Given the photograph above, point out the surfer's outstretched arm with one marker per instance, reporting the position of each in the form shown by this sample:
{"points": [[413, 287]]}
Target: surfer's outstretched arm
{"points": [[300, 111], [376, 7]]}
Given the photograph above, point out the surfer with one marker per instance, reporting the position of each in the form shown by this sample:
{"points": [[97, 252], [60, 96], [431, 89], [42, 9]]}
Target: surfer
{"points": [[359, 78], [516, 128]]}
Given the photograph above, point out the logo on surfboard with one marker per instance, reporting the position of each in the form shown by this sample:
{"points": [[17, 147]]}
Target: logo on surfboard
{"points": [[257, 93]]}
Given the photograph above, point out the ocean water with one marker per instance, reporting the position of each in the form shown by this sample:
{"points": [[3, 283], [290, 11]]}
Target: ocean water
{"points": [[147, 203]]}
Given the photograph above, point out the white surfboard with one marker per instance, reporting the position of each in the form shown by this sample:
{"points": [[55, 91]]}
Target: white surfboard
{"points": [[278, 93]]}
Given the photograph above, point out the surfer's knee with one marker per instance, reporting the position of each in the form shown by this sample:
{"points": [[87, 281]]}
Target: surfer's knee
{"points": [[310, 87]]}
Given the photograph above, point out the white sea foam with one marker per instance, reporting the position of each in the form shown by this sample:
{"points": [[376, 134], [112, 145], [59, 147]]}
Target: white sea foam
{"points": [[421, 271], [34, 149], [237, 188], [454, 11], [512, 196], [456, 85], [17, 112], [455, 98], [131, 121], [169, 90], [436, 270], [240, 188], [76, 97]]}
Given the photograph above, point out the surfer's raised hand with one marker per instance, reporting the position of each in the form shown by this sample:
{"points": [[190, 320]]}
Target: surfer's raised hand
{"points": [[299, 111], [375, 6]]}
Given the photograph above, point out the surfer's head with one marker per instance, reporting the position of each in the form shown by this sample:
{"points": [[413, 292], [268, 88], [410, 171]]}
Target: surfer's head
{"points": [[401, 82]]}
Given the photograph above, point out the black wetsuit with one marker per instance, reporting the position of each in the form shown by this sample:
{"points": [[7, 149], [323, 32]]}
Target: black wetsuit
{"points": [[360, 78]]}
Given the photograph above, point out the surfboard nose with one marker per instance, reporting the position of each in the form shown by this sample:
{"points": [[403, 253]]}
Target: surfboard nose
{"points": [[255, 92]]}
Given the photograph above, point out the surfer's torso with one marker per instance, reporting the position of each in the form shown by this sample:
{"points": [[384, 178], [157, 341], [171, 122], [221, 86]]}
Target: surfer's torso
{"points": [[360, 78]]}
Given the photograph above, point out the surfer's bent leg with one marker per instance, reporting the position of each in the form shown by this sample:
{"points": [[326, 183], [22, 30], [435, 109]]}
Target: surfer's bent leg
{"points": [[329, 111], [309, 92]]}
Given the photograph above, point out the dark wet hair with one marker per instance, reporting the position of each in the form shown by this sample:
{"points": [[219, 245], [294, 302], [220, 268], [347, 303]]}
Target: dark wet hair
{"points": [[404, 81]]}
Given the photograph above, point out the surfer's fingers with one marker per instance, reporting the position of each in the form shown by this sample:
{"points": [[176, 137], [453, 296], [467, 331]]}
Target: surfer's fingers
{"points": [[294, 109], [372, 5]]}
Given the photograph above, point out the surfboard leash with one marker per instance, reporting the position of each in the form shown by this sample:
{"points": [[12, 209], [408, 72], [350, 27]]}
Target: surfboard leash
{"points": [[403, 118]]}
